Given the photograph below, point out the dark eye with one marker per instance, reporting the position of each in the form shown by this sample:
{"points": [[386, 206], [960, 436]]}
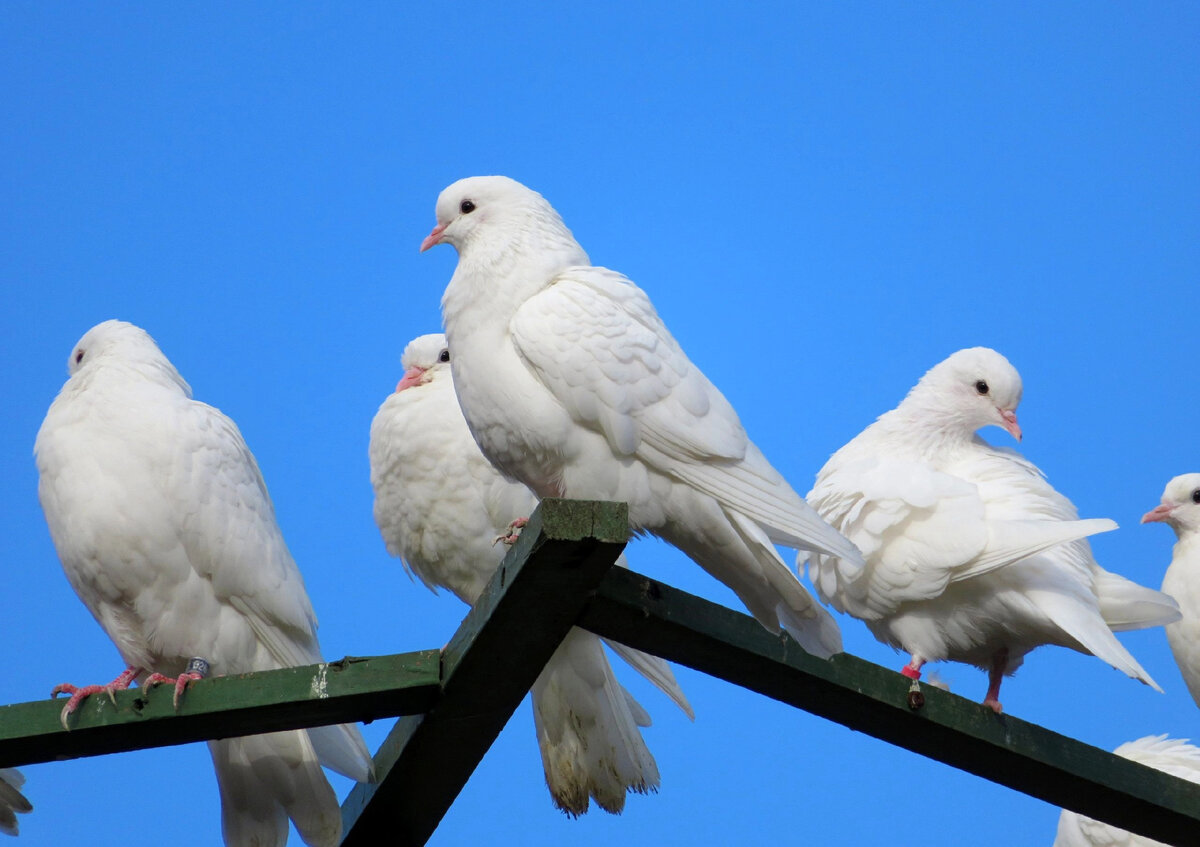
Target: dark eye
{"points": [[78, 356], [444, 356], [1196, 496], [466, 207], [981, 387]]}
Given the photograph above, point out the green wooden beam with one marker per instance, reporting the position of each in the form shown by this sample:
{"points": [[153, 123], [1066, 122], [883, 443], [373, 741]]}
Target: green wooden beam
{"points": [[529, 606], [680, 627], [352, 689]]}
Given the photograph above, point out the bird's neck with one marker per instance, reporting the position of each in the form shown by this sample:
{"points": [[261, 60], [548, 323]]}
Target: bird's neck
{"points": [[929, 432], [1187, 548], [496, 275]]}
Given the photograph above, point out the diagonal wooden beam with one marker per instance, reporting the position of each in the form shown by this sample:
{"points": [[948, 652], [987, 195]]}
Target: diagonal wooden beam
{"points": [[530, 604], [680, 627], [352, 689]]}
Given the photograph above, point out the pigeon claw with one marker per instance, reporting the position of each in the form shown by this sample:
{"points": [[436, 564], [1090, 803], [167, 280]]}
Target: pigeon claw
{"points": [[196, 669], [80, 693], [514, 532]]}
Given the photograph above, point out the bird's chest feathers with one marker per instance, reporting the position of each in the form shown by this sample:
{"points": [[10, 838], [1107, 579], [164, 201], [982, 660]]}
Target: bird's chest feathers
{"points": [[516, 422]]}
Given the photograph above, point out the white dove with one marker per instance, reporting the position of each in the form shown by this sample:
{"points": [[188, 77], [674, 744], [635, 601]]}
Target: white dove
{"points": [[572, 385], [1171, 755], [1180, 509], [972, 556], [439, 505], [12, 801], [166, 532]]}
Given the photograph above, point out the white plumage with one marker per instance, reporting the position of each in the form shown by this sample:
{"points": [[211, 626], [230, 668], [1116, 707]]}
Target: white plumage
{"points": [[1180, 509], [573, 385], [166, 532], [1172, 755], [972, 556], [12, 801], [439, 505]]}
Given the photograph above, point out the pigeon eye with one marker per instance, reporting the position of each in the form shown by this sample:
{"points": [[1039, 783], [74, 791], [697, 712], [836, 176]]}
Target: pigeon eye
{"points": [[981, 387], [1196, 496], [444, 356], [78, 356], [466, 207]]}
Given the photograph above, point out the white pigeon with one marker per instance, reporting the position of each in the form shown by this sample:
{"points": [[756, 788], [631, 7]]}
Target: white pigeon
{"points": [[440, 505], [166, 532], [572, 385], [1180, 509], [12, 801], [1171, 755], [971, 555]]}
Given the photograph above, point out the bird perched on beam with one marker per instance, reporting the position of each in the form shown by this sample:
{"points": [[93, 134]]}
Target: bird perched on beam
{"points": [[166, 532], [440, 505], [573, 385], [971, 555]]}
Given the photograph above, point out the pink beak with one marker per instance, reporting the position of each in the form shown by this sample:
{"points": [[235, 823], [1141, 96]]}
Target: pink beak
{"points": [[412, 377], [1157, 514], [433, 238], [1010, 423]]}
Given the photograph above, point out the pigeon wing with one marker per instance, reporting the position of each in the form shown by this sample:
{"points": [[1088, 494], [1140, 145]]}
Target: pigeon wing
{"points": [[596, 342]]}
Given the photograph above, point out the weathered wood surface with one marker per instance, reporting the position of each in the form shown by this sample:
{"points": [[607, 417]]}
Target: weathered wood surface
{"points": [[352, 689]]}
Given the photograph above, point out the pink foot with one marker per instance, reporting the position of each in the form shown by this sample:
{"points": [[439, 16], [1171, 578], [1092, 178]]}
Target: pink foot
{"points": [[514, 532], [78, 694], [180, 683], [196, 669], [995, 677]]}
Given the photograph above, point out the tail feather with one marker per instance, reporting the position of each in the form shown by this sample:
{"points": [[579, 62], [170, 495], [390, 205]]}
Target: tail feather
{"points": [[341, 748], [657, 671], [1125, 605], [1091, 631], [266, 779], [796, 610], [12, 801], [755, 489], [587, 733]]}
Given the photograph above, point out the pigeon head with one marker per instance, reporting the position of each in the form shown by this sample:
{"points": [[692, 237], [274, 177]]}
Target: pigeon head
{"points": [[111, 339], [1180, 507], [497, 221], [120, 342], [973, 388], [425, 358]]}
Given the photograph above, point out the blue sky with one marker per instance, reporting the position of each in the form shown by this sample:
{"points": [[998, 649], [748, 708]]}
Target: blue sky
{"points": [[823, 200]]}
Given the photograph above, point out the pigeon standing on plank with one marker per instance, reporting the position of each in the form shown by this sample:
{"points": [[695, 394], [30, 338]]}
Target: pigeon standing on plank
{"points": [[1180, 509], [1171, 755], [971, 555], [166, 532], [12, 801], [572, 385], [440, 505]]}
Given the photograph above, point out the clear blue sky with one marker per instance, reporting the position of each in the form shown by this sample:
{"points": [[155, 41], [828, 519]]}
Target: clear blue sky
{"points": [[823, 200]]}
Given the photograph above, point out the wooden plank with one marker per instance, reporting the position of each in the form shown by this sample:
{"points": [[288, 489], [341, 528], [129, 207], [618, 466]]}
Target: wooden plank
{"points": [[529, 606], [680, 627], [349, 690]]}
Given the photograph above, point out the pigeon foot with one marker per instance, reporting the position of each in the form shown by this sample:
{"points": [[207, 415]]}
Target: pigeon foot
{"points": [[514, 532], [79, 693], [995, 676], [196, 669]]}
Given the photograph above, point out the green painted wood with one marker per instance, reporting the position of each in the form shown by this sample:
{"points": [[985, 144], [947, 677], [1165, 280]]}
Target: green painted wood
{"points": [[680, 627], [349, 690], [532, 601]]}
